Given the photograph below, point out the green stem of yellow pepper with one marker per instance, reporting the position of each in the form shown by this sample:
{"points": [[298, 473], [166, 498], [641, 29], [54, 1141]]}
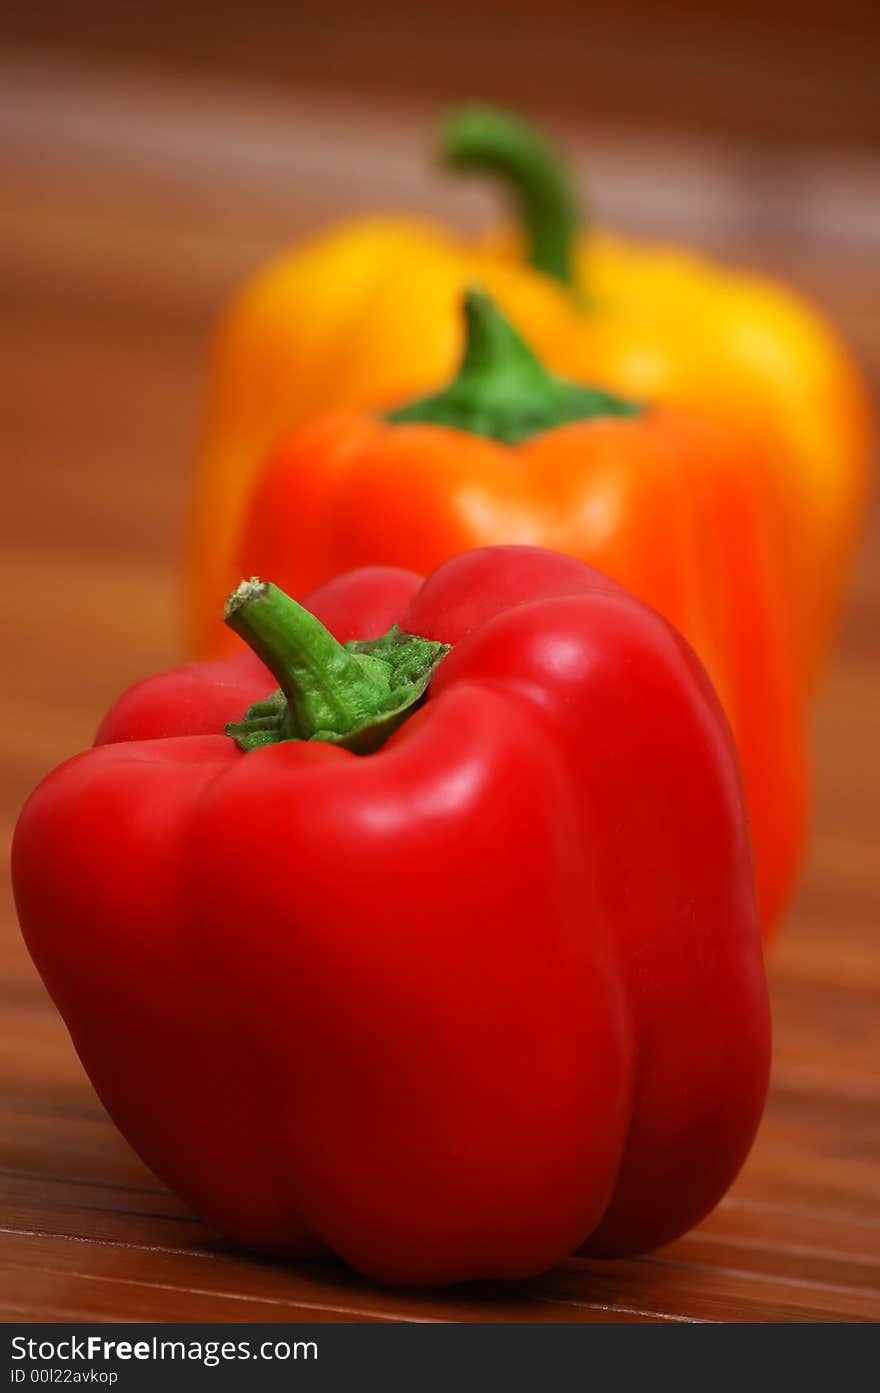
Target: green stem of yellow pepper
{"points": [[481, 139]]}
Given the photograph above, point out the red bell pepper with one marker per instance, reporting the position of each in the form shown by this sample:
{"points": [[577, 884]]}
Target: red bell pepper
{"points": [[448, 960]]}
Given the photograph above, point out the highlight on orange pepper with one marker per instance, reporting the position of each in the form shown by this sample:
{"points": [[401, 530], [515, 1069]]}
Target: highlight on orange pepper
{"points": [[366, 315], [670, 504]]}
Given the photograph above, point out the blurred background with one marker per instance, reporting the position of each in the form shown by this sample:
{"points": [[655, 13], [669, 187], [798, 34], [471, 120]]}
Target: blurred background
{"points": [[153, 154]]}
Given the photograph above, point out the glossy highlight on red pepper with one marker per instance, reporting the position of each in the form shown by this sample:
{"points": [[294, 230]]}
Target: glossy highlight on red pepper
{"points": [[455, 1008]]}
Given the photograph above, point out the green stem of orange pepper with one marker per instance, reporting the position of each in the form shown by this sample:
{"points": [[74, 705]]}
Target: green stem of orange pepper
{"points": [[502, 391]]}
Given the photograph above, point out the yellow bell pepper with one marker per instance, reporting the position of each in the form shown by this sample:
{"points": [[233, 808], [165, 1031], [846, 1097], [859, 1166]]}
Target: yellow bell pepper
{"points": [[367, 315]]}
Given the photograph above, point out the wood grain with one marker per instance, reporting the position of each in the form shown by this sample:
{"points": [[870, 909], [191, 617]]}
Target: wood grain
{"points": [[802, 71], [120, 237]]}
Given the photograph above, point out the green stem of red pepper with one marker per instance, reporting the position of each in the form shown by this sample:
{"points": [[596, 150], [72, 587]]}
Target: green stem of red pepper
{"points": [[502, 391], [481, 139], [354, 695]]}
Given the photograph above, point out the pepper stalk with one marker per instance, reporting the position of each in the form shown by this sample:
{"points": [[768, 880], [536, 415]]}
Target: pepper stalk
{"points": [[354, 695]]}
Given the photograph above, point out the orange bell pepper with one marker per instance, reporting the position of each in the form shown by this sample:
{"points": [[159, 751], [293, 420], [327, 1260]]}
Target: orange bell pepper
{"points": [[367, 315], [670, 504]]}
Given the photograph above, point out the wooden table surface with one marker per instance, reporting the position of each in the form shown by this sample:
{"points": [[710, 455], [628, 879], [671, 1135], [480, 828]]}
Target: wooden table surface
{"points": [[131, 209]]}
